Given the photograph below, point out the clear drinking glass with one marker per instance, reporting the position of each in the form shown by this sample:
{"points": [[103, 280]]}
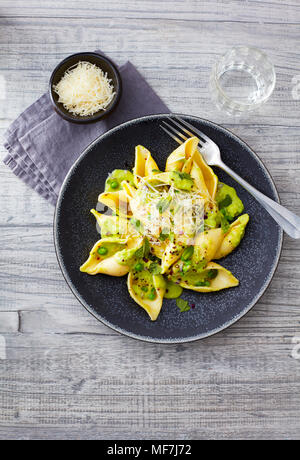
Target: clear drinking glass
{"points": [[242, 80]]}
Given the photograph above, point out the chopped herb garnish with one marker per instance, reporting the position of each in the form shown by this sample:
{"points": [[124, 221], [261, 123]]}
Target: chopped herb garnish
{"points": [[226, 214], [137, 224], [164, 234], [226, 202], [153, 258], [183, 305], [178, 207], [163, 204], [225, 225], [155, 269], [184, 175], [146, 247], [212, 274], [143, 251], [139, 253], [187, 253]]}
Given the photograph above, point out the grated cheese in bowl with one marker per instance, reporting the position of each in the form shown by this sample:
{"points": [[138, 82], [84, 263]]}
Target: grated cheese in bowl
{"points": [[85, 89]]}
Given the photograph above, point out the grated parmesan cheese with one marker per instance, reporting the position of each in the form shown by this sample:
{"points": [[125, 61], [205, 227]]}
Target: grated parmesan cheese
{"points": [[85, 89]]}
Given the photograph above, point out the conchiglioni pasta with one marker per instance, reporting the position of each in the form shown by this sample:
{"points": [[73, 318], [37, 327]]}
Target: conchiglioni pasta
{"points": [[167, 227]]}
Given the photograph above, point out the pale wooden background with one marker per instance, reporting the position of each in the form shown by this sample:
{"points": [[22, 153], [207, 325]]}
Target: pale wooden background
{"points": [[67, 376]]}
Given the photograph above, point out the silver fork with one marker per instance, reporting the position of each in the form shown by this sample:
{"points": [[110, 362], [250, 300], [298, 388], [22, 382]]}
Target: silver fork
{"points": [[287, 220]]}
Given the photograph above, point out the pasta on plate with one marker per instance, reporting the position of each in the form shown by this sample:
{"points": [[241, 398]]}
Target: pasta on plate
{"points": [[167, 228]]}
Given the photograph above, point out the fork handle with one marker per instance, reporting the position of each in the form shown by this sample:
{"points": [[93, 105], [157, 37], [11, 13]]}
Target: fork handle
{"points": [[287, 220]]}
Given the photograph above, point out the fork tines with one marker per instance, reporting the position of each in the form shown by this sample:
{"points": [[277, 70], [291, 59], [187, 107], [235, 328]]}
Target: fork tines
{"points": [[182, 125]]}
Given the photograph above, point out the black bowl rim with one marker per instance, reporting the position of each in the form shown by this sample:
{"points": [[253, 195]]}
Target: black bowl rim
{"points": [[98, 115], [142, 338]]}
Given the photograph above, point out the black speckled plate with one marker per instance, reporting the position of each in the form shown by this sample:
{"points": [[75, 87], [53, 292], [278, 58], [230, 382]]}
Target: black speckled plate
{"points": [[253, 263]]}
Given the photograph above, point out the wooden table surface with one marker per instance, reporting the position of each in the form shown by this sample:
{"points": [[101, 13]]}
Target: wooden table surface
{"points": [[63, 375]]}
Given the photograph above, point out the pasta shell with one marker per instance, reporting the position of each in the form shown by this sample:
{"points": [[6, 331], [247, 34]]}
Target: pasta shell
{"points": [[152, 307], [144, 163], [111, 267], [96, 263], [207, 244], [129, 189], [210, 179], [176, 161], [223, 280], [117, 201], [113, 225], [171, 254], [233, 237], [197, 175]]}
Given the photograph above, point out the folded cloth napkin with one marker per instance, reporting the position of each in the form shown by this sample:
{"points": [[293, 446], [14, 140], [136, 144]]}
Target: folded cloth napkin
{"points": [[42, 146]]}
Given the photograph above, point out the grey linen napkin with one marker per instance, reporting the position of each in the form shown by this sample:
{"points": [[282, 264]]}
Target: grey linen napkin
{"points": [[42, 146]]}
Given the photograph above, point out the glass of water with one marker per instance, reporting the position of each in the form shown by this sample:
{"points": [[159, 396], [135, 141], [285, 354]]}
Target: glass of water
{"points": [[242, 80]]}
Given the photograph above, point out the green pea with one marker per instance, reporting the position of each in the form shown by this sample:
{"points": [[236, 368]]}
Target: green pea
{"points": [[114, 184], [102, 251], [187, 253], [152, 295], [139, 267]]}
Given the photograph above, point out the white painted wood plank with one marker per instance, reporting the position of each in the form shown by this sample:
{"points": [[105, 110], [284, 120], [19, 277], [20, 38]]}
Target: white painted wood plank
{"points": [[9, 321], [205, 10], [178, 389], [153, 49], [87, 432]]}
